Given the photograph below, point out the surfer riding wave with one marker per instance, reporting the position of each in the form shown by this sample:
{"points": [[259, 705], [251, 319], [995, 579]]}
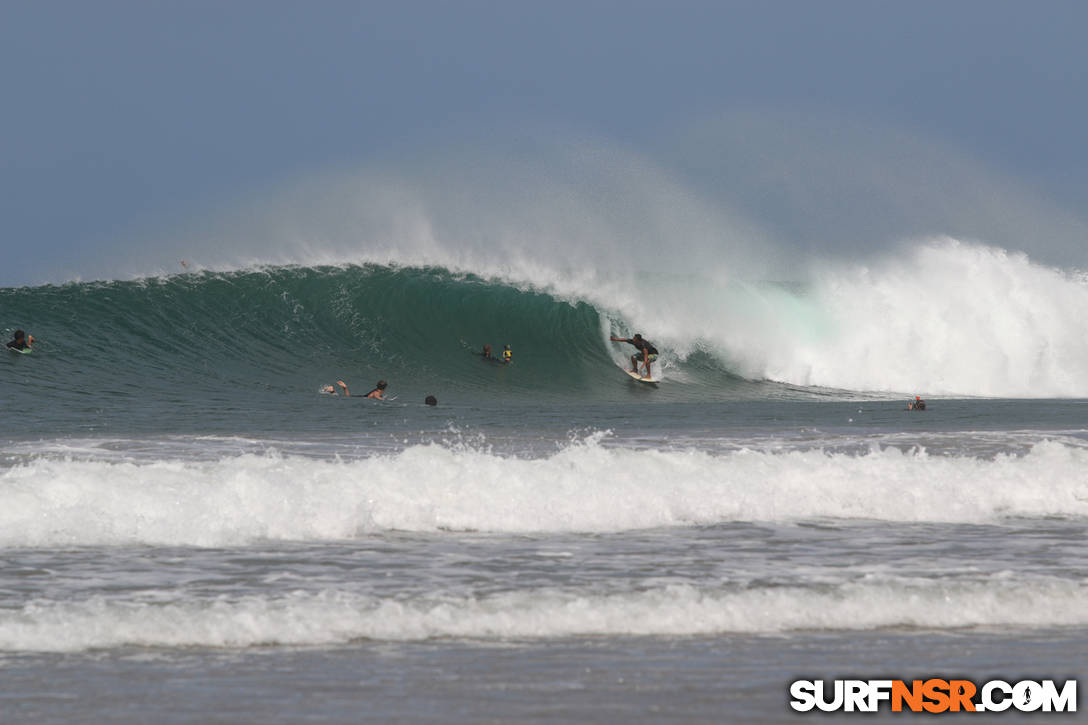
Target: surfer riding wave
{"points": [[646, 354]]}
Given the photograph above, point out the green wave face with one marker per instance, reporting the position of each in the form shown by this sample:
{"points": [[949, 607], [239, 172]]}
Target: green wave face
{"points": [[212, 343]]}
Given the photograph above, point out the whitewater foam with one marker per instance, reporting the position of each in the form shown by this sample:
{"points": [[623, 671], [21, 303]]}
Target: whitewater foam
{"points": [[337, 617], [950, 318], [586, 487], [941, 317]]}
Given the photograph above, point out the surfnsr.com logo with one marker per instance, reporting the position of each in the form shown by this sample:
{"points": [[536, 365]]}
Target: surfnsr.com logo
{"points": [[933, 696]]}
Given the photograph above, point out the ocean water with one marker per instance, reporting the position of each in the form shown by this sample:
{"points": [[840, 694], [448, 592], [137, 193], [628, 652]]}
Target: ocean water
{"points": [[192, 532]]}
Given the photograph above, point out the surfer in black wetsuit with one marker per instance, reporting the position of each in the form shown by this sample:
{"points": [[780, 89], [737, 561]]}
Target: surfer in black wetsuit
{"points": [[647, 353], [21, 341]]}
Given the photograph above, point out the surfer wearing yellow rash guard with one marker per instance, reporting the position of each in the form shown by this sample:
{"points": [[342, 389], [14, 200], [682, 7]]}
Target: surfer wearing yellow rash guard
{"points": [[507, 355], [647, 353]]}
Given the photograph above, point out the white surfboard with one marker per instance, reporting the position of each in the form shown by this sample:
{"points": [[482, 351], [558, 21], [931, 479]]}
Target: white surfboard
{"points": [[639, 377]]}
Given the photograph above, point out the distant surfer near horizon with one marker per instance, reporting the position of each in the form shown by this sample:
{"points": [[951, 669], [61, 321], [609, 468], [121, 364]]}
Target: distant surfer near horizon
{"points": [[507, 354], [916, 404], [20, 341], [647, 353]]}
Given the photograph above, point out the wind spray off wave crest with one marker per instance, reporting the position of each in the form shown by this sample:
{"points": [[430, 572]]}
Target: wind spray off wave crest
{"points": [[655, 253]]}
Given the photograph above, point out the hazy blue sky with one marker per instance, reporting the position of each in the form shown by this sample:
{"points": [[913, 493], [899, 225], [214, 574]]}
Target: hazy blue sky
{"points": [[127, 118]]}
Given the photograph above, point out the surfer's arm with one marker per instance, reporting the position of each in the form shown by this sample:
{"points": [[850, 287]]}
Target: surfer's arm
{"points": [[344, 385]]}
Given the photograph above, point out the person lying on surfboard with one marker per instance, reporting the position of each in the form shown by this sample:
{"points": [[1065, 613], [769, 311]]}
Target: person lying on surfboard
{"points": [[647, 353], [377, 393], [21, 341]]}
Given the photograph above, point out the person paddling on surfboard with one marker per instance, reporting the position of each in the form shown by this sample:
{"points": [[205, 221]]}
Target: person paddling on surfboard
{"points": [[647, 353], [21, 341], [378, 393]]}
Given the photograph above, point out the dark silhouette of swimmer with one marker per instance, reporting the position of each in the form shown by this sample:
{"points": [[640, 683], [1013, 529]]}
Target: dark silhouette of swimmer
{"points": [[21, 341]]}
